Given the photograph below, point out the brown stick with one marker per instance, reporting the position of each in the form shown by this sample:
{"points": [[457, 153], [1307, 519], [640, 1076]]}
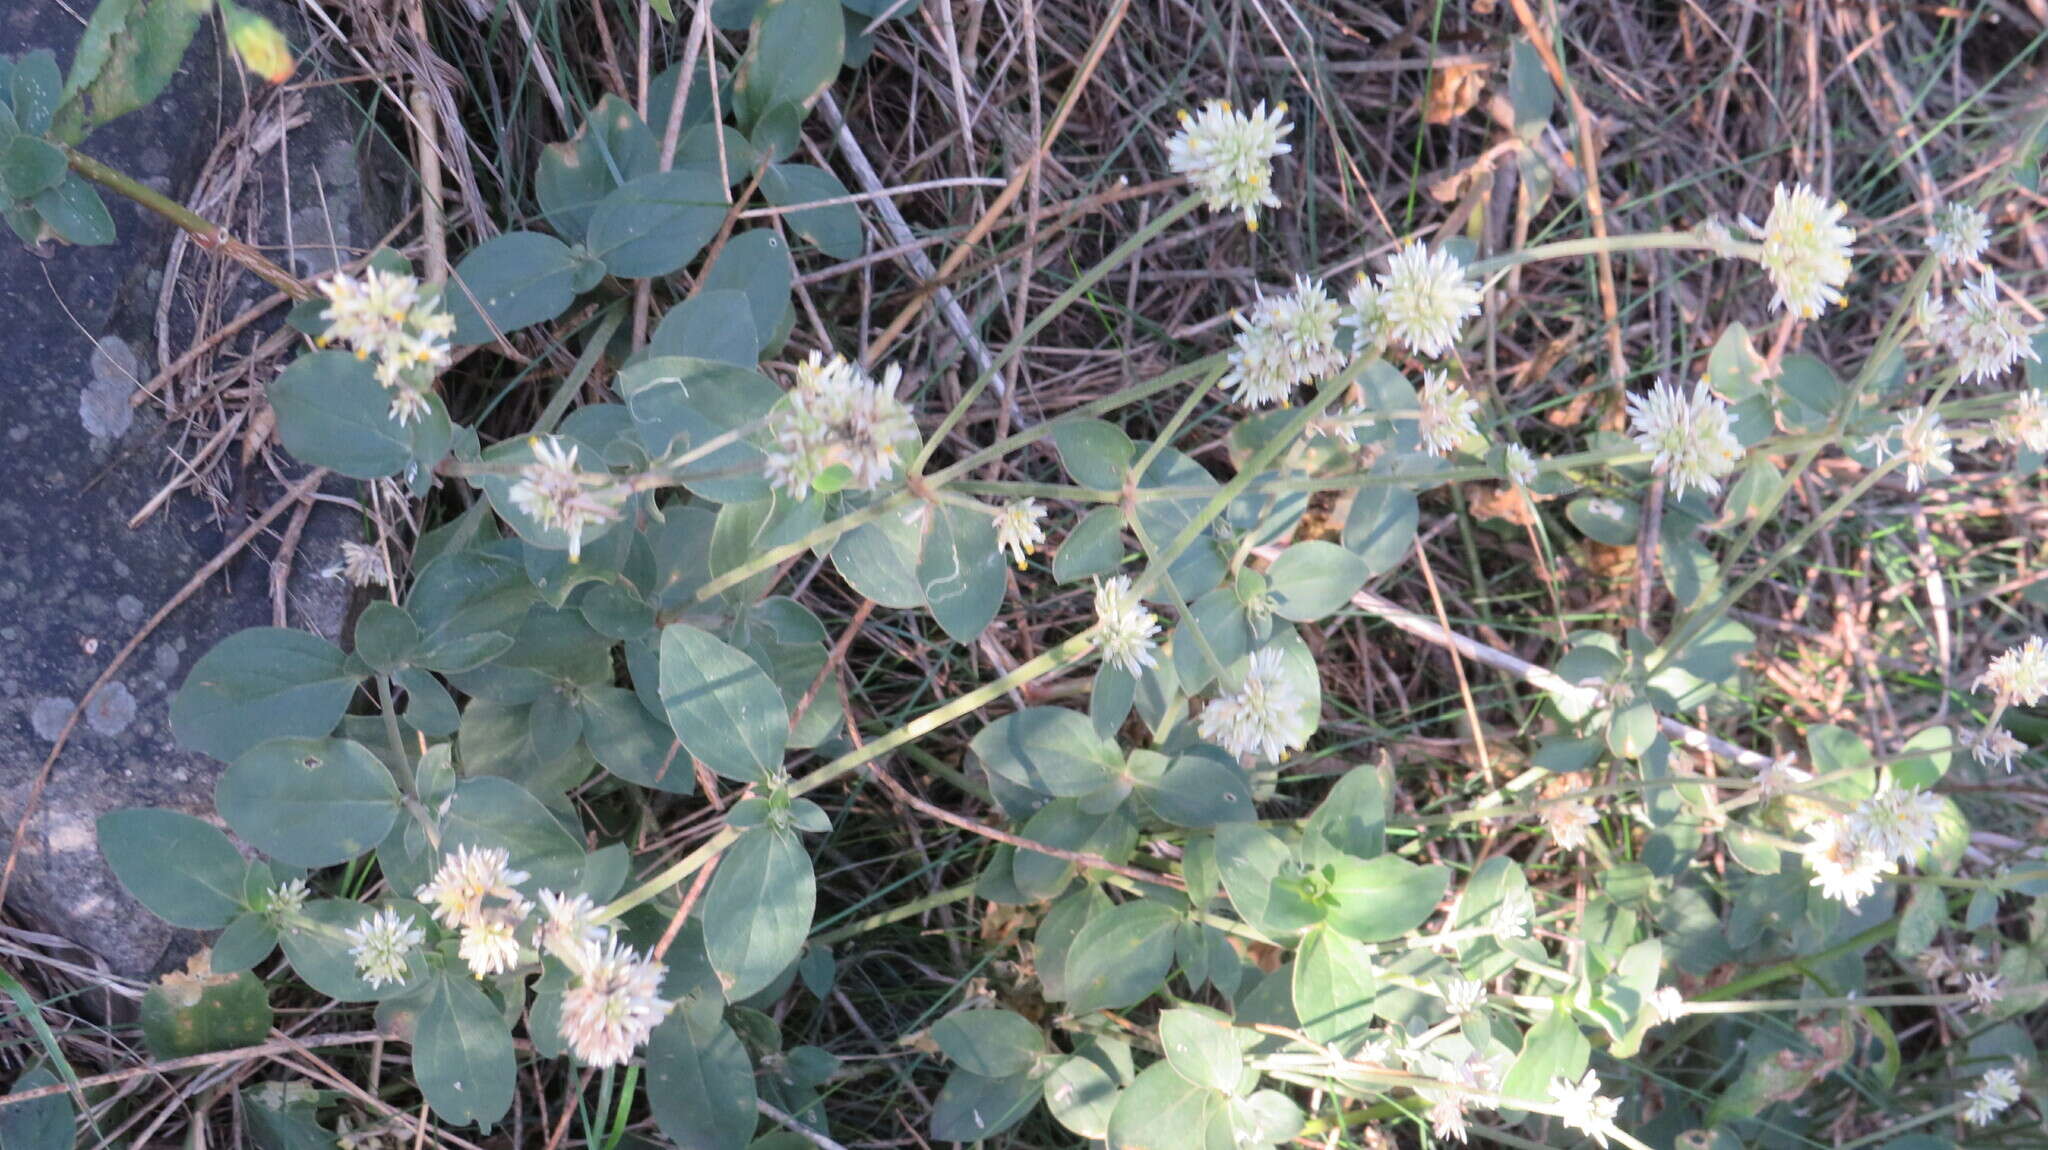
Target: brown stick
{"points": [[264, 1050]]}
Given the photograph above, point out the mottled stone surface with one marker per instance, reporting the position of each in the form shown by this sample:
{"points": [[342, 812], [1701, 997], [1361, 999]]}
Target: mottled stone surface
{"points": [[79, 460]]}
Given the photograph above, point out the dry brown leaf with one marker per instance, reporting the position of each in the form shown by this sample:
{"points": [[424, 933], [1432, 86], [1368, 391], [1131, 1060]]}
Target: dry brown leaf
{"points": [[1454, 89]]}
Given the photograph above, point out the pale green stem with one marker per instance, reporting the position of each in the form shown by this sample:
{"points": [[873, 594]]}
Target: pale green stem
{"points": [[951, 894]]}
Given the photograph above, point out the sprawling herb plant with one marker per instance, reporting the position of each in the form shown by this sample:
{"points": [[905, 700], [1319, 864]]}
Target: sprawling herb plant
{"points": [[609, 601]]}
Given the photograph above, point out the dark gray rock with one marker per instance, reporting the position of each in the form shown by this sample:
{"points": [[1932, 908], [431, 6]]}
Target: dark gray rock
{"points": [[79, 460]]}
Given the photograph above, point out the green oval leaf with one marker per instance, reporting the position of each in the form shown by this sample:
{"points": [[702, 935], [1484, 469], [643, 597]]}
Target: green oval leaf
{"points": [[332, 413], [657, 223], [309, 802], [1386, 897], [758, 909], [700, 1083], [724, 708], [185, 871], [262, 683], [1122, 955], [510, 282], [961, 570], [1313, 579], [1050, 750], [462, 1052], [991, 1043], [833, 228]]}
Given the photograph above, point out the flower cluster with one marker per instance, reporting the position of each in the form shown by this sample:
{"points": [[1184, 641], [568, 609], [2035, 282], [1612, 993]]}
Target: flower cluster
{"points": [[1924, 443], [1690, 436], [607, 1012], [1985, 334], [1020, 528], [1997, 1090], [837, 425], [1805, 250], [1446, 414], [2019, 675], [1581, 1107], [1850, 854], [386, 317], [1228, 156], [1287, 340], [1421, 302], [561, 496], [2025, 423], [362, 564], [1961, 233], [1264, 717], [1127, 626]]}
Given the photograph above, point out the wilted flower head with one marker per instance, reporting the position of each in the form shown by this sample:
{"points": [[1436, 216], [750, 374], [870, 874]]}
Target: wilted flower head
{"points": [[1265, 716], [1985, 334], [385, 316], [1127, 626], [1844, 867], [1228, 156], [1447, 412], [1924, 443], [2020, 674], [467, 878], [1580, 1106], [1961, 232], [1570, 823], [1805, 250], [1691, 436], [562, 496], [1780, 775], [383, 946], [1983, 990], [362, 564], [613, 1006], [1995, 745], [837, 416], [2025, 423], [1019, 528], [1425, 298], [1998, 1089]]}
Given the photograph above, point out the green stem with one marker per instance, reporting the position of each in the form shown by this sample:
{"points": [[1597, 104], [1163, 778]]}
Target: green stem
{"points": [[208, 234], [933, 901], [1589, 246]]}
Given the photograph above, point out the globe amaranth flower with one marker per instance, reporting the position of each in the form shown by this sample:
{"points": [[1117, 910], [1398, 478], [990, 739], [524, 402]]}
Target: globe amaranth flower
{"points": [[491, 945], [1126, 626], [1519, 465], [1805, 250], [613, 1005], [1264, 717], [1286, 341], [1845, 868], [1691, 436], [1961, 233], [561, 496], [1227, 156], [1581, 1106], [1364, 315], [382, 946], [837, 425], [284, 899], [471, 884], [1020, 528], [386, 317], [2019, 675], [2025, 423], [1986, 334], [1900, 823], [1425, 297], [1570, 823], [568, 927], [1446, 414], [1510, 919], [1997, 1090], [1463, 996]]}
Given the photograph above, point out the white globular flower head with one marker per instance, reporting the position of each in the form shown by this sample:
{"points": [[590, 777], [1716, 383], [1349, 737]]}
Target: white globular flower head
{"points": [[384, 316], [1961, 233], [1667, 1004], [1691, 436], [1844, 867], [1365, 315], [1924, 443], [1997, 1090], [837, 416], [1986, 334], [1570, 823], [469, 878], [568, 929], [2025, 423], [1264, 717], [286, 898], [1227, 156], [1020, 528], [1511, 918], [613, 1006], [1284, 342], [1127, 626], [1900, 823], [1463, 996], [2019, 675], [1519, 465], [1805, 250], [561, 496], [382, 946], [490, 946], [1581, 1107], [1425, 297], [1446, 414]]}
